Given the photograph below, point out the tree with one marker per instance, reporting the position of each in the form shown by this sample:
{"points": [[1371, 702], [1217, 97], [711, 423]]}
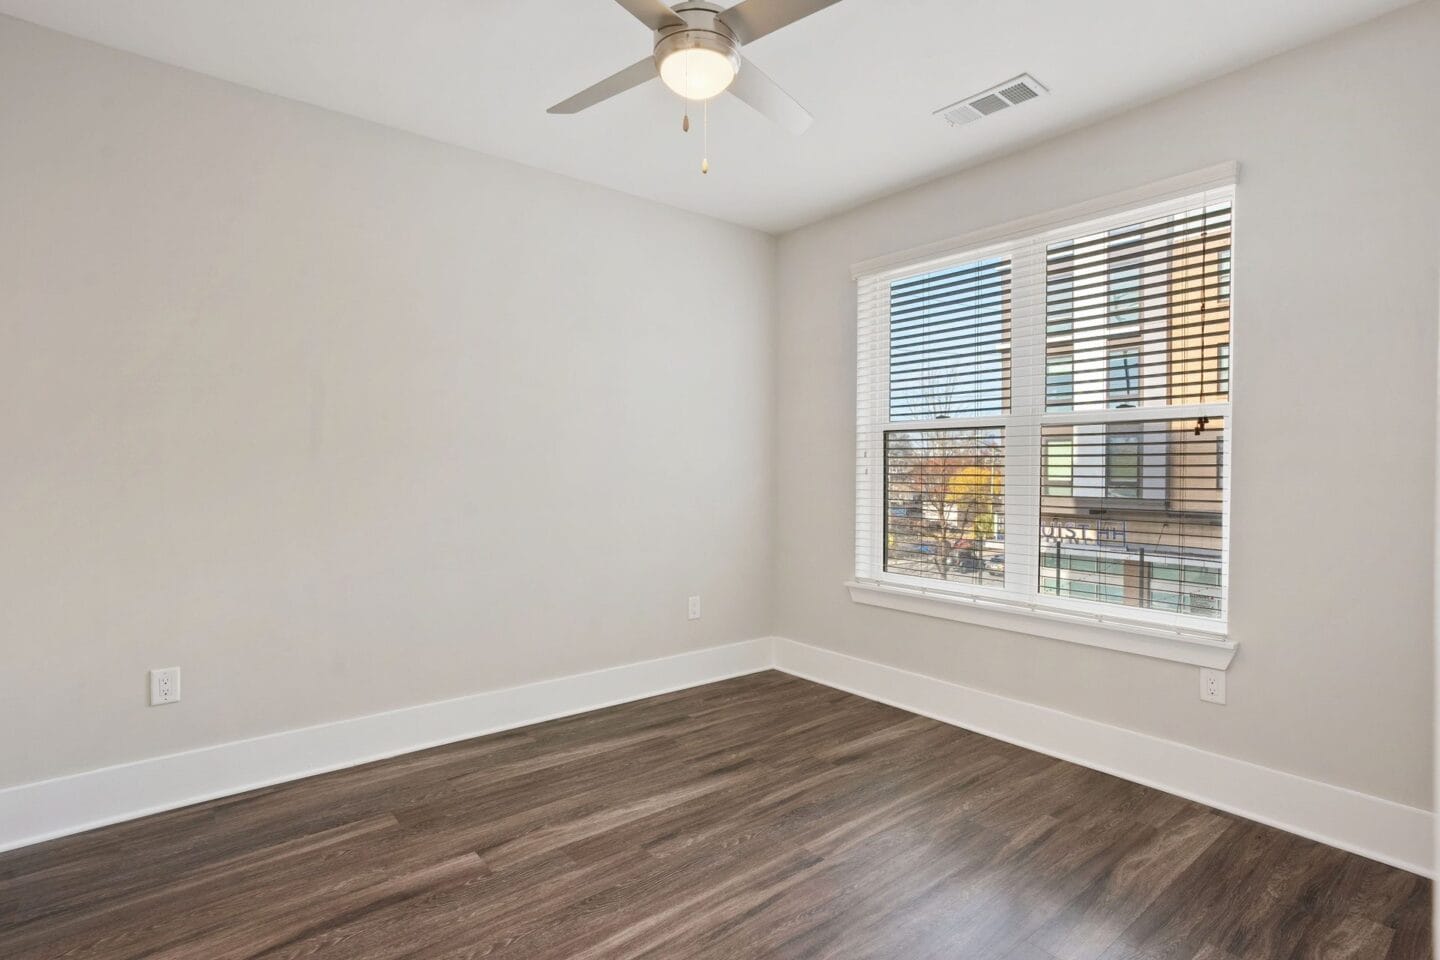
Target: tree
{"points": [[944, 489], [970, 494]]}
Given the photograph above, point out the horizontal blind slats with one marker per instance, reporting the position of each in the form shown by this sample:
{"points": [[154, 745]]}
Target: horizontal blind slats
{"points": [[1117, 318], [944, 504]]}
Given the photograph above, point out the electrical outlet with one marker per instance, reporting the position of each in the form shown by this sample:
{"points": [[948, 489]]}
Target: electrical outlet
{"points": [[1212, 685], [164, 686], [694, 612]]}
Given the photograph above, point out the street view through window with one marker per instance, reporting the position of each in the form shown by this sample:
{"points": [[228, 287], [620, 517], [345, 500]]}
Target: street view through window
{"points": [[1067, 440]]}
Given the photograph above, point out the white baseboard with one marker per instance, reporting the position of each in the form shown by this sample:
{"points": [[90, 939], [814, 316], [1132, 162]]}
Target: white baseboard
{"points": [[1370, 826], [1380, 829], [32, 812]]}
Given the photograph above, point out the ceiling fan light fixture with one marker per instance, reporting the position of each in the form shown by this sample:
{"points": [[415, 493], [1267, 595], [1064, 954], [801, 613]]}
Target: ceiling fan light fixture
{"points": [[696, 73], [697, 55], [697, 63]]}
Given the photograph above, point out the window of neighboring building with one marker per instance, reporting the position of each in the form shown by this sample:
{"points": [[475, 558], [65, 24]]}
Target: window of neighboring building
{"points": [[1059, 300], [1059, 467], [1122, 463], [1124, 273], [1070, 575], [1059, 383], [1183, 587], [1043, 420], [1123, 377]]}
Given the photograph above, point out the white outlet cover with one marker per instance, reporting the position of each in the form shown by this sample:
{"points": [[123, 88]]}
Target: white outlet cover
{"points": [[1212, 685], [164, 686], [694, 608]]}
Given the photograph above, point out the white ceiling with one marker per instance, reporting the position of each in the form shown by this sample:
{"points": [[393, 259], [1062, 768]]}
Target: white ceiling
{"points": [[480, 73]]}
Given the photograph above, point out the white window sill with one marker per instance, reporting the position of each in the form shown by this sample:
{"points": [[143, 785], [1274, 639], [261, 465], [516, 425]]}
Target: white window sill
{"points": [[1160, 642]]}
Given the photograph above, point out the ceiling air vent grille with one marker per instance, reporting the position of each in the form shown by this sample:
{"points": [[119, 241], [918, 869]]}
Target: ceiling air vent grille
{"points": [[1002, 96], [990, 103]]}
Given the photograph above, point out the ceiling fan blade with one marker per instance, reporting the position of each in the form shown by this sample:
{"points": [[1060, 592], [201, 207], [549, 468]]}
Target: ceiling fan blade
{"points": [[653, 13], [753, 19], [765, 95], [632, 76]]}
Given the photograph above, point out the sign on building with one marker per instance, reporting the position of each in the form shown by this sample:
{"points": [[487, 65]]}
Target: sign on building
{"points": [[1110, 533]]}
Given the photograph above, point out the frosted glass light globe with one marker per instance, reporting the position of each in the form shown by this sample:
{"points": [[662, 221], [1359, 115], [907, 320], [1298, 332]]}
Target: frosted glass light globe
{"points": [[696, 73]]}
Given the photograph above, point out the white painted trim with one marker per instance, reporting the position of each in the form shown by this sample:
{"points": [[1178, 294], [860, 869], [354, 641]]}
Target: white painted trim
{"points": [[1161, 191], [1375, 828], [1370, 826], [1017, 605], [1092, 630], [32, 812], [1435, 640]]}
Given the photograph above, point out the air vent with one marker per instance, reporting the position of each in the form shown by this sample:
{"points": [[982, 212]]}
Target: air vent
{"points": [[990, 103], [1002, 96], [1018, 93]]}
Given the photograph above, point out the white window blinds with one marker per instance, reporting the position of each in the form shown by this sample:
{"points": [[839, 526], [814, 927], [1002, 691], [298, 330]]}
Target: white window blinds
{"points": [[1042, 420]]}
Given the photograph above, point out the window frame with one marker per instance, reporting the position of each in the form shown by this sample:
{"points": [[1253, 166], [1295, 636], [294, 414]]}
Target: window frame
{"points": [[1170, 636]]}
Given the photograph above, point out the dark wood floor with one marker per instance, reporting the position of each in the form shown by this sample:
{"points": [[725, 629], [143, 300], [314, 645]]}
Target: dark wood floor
{"points": [[759, 817]]}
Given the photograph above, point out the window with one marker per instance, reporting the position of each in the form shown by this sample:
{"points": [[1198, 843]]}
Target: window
{"points": [[1124, 282], [1059, 467], [1059, 301], [949, 342], [1042, 421], [1059, 383], [945, 505], [1123, 384], [1122, 463], [1192, 587], [1068, 575]]}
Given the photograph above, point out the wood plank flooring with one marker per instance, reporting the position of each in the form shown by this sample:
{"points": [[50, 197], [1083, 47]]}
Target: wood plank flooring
{"points": [[762, 817]]}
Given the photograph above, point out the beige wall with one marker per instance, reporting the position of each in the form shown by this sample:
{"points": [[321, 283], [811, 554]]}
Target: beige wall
{"points": [[338, 419], [1334, 387]]}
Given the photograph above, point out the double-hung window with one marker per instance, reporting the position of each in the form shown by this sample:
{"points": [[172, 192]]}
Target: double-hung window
{"points": [[1042, 419]]}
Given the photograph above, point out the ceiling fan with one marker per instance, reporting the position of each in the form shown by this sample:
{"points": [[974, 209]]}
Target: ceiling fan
{"points": [[697, 55]]}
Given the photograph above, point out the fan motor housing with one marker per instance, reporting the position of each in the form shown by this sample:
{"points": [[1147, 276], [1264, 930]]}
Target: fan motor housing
{"points": [[703, 30]]}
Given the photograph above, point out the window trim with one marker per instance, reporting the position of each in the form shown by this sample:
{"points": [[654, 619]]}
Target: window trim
{"points": [[1111, 633], [1176, 637], [1174, 188]]}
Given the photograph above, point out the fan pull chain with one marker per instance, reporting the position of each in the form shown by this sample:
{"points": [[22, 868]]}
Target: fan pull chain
{"points": [[705, 125], [685, 123]]}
